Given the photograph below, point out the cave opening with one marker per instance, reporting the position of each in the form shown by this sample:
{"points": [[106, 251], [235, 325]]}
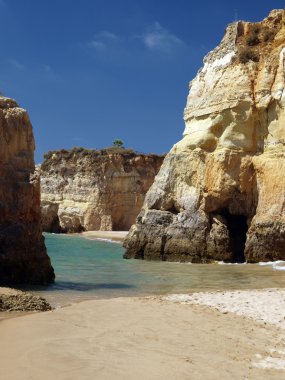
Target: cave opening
{"points": [[237, 226], [172, 208], [55, 226]]}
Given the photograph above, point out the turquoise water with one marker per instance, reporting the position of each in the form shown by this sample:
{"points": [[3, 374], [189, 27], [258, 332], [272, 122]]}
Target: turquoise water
{"points": [[87, 269]]}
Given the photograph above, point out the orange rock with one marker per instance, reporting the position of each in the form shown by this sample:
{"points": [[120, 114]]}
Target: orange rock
{"points": [[220, 193], [23, 257]]}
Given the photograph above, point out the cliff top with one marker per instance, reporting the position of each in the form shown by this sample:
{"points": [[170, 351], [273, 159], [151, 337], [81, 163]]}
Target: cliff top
{"points": [[93, 155], [246, 68], [7, 102], [245, 41]]}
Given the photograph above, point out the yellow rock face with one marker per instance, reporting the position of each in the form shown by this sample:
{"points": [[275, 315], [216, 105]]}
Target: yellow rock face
{"points": [[91, 191], [23, 257], [222, 188]]}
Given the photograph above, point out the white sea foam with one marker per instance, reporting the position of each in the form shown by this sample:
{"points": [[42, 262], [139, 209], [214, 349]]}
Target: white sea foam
{"points": [[108, 240], [279, 267], [276, 265], [223, 263], [273, 263]]}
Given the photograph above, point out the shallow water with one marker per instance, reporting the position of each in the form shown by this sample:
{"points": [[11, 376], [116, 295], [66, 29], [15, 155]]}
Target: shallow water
{"points": [[88, 269]]}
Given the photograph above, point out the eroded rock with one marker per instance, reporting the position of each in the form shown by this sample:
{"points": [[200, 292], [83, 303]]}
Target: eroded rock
{"points": [[23, 257], [224, 182], [85, 190]]}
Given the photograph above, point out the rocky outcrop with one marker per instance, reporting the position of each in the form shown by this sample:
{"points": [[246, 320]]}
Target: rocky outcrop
{"points": [[16, 300], [23, 257], [83, 190], [220, 193]]}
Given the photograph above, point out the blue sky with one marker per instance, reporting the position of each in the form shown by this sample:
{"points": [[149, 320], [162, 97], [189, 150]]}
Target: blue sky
{"points": [[91, 71]]}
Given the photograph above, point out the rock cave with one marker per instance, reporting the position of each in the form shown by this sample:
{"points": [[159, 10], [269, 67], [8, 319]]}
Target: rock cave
{"points": [[237, 227]]}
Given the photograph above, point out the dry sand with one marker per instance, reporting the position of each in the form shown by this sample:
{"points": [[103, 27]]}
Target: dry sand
{"points": [[105, 235], [266, 305], [145, 338], [9, 291]]}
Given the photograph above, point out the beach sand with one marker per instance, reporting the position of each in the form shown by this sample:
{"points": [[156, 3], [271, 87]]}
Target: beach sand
{"points": [[148, 338], [9, 291], [105, 235]]}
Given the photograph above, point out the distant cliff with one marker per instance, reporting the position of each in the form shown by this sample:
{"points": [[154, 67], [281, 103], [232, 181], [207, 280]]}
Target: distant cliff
{"points": [[220, 193], [83, 190], [23, 257]]}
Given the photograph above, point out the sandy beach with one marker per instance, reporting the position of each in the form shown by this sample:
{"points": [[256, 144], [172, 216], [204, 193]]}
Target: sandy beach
{"points": [[173, 337], [105, 235]]}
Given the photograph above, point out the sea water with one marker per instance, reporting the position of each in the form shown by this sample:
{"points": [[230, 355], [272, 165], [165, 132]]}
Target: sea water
{"points": [[89, 269]]}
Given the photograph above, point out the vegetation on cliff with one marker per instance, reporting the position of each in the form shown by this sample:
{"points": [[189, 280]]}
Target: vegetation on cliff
{"points": [[254, 39], [93, 155]]}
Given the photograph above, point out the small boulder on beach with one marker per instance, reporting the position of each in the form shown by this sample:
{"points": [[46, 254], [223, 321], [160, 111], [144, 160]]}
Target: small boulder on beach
{"points": [[16, 300]]}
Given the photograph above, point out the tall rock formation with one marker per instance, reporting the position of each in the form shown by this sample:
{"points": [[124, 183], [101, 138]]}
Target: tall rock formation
{"points": [[23, 257], [83, 190], [220, 193]]}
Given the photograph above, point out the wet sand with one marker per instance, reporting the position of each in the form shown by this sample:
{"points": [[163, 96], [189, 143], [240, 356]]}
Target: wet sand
{"points": [[105, 235], [147, 338]]}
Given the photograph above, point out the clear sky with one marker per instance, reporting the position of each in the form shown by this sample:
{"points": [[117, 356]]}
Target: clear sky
{"points": [[92, 71]]}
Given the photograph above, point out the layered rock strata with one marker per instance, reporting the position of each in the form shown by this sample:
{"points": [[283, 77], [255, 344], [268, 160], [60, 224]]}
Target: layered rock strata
{"points": [[220, 193], [23, 257], [85, 190]]}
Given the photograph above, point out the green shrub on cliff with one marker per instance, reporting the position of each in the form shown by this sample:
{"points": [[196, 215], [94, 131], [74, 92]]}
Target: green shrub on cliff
{"points": [[118, 143]]}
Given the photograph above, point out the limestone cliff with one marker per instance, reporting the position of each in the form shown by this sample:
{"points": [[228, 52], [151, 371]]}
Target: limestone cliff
{"points": [[94, 190], [220, 193], [23, 257]]}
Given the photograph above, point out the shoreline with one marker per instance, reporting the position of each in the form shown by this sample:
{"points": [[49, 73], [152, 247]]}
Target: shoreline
{"points": [[111, 236], [155, 337]]}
